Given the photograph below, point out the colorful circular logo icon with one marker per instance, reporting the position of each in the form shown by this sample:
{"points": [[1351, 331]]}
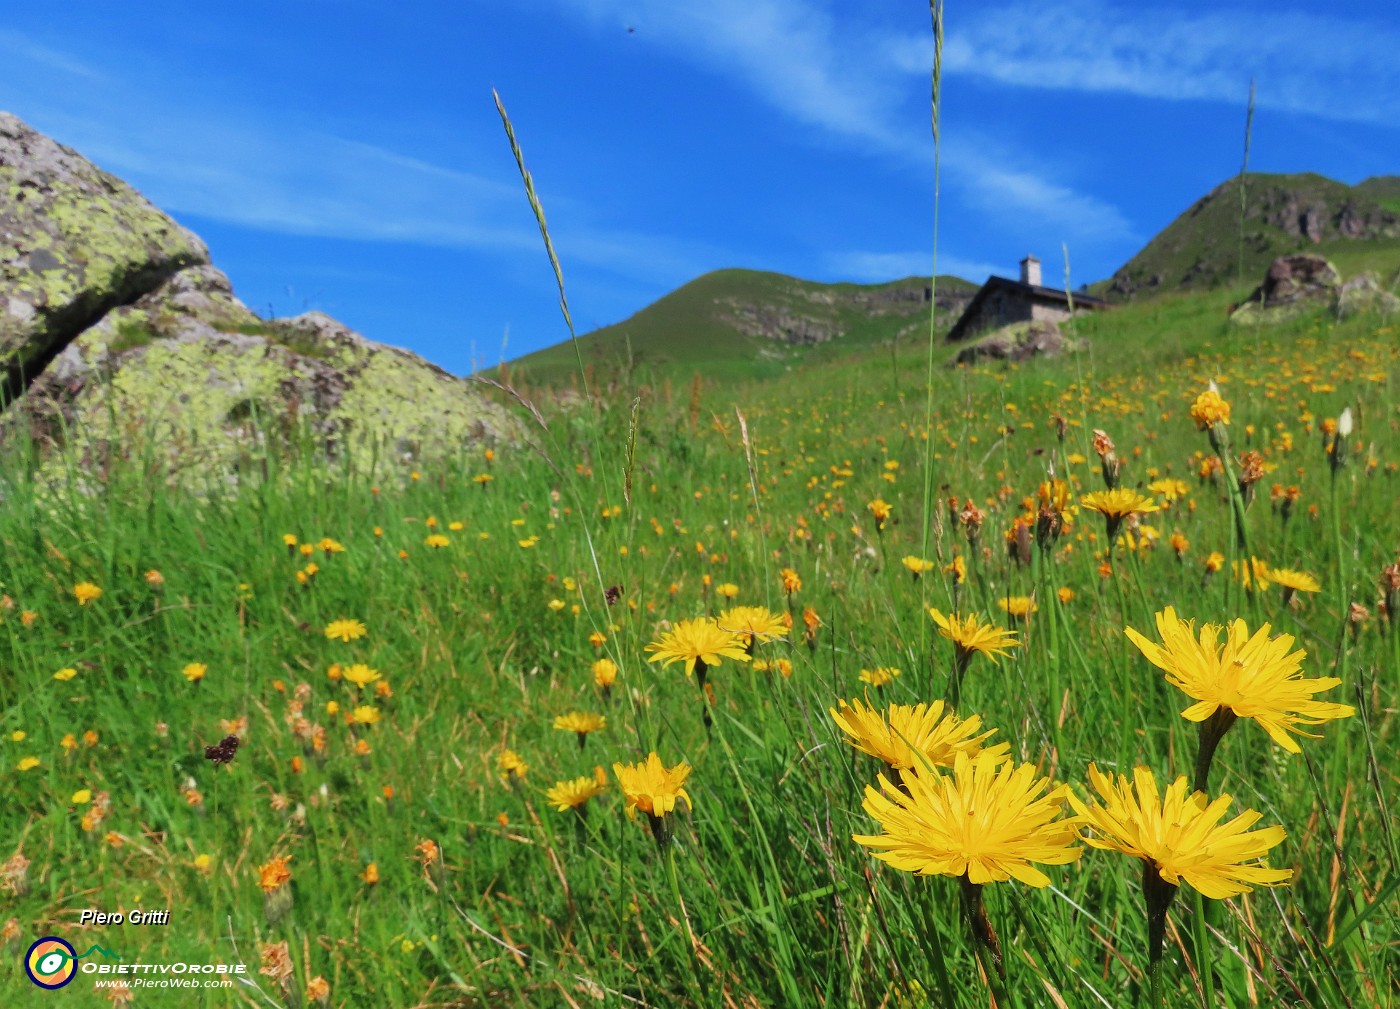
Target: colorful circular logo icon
{"points": [[51, 962]]}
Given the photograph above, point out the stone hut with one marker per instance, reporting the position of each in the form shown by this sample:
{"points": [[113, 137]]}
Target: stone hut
{"points": [[1003, 302]]}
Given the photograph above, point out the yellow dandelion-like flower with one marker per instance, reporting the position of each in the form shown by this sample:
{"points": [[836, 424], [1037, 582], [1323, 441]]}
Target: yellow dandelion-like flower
{"points": [[65, 674], [907, 736], [604, 672], [27, 763], [346, 630], [194, 672], [880, 676], [573, 794], [436, 540], [1019, 607], [916, 566], [510, 763], [1117, 505], [1293, 582], [1210, 409], [700, 644], [726, 590], [791, 581], [651, 787], [1179, 833], [359, 674], [988, 821], [365, 714], [1253, 676], [275, 874], [86, 592], [971, 636], [582, 723], [753, 624]]}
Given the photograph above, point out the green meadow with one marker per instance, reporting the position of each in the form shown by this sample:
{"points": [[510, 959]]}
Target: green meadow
{"points": [[385, 813]]}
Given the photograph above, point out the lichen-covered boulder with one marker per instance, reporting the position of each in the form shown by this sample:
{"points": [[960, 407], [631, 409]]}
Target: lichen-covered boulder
{"points": [[1018, 342], [75, 242], [190, 379], [1363, 293], [1294, 284]]}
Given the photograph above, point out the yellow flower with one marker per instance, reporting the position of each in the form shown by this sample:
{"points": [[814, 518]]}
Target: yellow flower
{"points": [[880, 511], [204, 864], [360, 674], [969, 636], [1210, 409], [697, 643], [1181, 835], [1254, 574], [1293, 581], [1019, 607], [572, 794], [18, 736], [582, 723], [879, 676], [604, 672], [958, 569], [86, 592], [726, 590], [346, 630], [275, 874], [1170, 489], [984, 821], [916, 566], [365, 714], [510, 763], [1116, 505], [437, 541], [906, 733], [753, 623], [597, 639], [1252, 676], [81, 797], [370, 876], [194, 671], [555, 605], [651, 787], [1065, 594], [66, 674], [792, 582], [27, 763]]}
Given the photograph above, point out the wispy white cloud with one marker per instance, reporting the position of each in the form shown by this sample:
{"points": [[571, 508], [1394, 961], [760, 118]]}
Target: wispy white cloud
{"points": [[249, 167], [1316, 64]]}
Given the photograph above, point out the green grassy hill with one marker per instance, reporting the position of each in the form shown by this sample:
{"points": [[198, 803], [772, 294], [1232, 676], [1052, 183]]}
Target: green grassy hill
{"points": [[1284, 214], [738, 324]]}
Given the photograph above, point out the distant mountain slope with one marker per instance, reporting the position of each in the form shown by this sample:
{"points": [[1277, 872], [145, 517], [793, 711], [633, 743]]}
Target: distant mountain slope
{"points": [[1284, 214], [748, 324]]}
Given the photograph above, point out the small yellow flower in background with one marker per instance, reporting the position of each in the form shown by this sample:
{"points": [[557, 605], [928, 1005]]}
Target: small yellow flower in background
{"points": [[1214, 562], [753, 624], [1210, 409], [581, 723], [791, 581], [1253, 575], [1179, 834], [455, 526], [575, 793], [275, 874], [27, 763], [510, 764], [332, 708], [1170, 489], [880, 510], [18, 736], [916, 566], [194, 672], [86, 592], [437, 541], [306, 549], [528, 542], [69, 742], [65, 674], [330, 546], [27, 617], [1250, 676], [727, 590], [879, 676], [81, 797], [203, 864], [1293, 582], [289, 540], [1019, 607], [365, 714], [987, 821], [1065, 594], [346, 630], [483, 479], [906, 736], [597, 639], [370, 876], [359, 674], [555, 605], [604, 672], [958, 569], [89, 738]]}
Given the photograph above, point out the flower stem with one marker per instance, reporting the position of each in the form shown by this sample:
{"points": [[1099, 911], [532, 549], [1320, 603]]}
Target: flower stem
{"points": [[1159, 895], [1213, 730], [984, 939]]}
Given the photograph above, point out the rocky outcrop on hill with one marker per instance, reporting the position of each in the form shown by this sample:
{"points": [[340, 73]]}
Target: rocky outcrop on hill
{"points": [[1284, 214], [1295, 284], [117, 335]]}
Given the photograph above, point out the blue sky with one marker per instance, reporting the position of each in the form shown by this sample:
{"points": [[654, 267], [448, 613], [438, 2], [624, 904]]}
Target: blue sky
{"points": [[345, 155]]}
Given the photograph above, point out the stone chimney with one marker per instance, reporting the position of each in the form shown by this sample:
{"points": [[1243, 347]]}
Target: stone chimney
{"points": [[1030, 271]]}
